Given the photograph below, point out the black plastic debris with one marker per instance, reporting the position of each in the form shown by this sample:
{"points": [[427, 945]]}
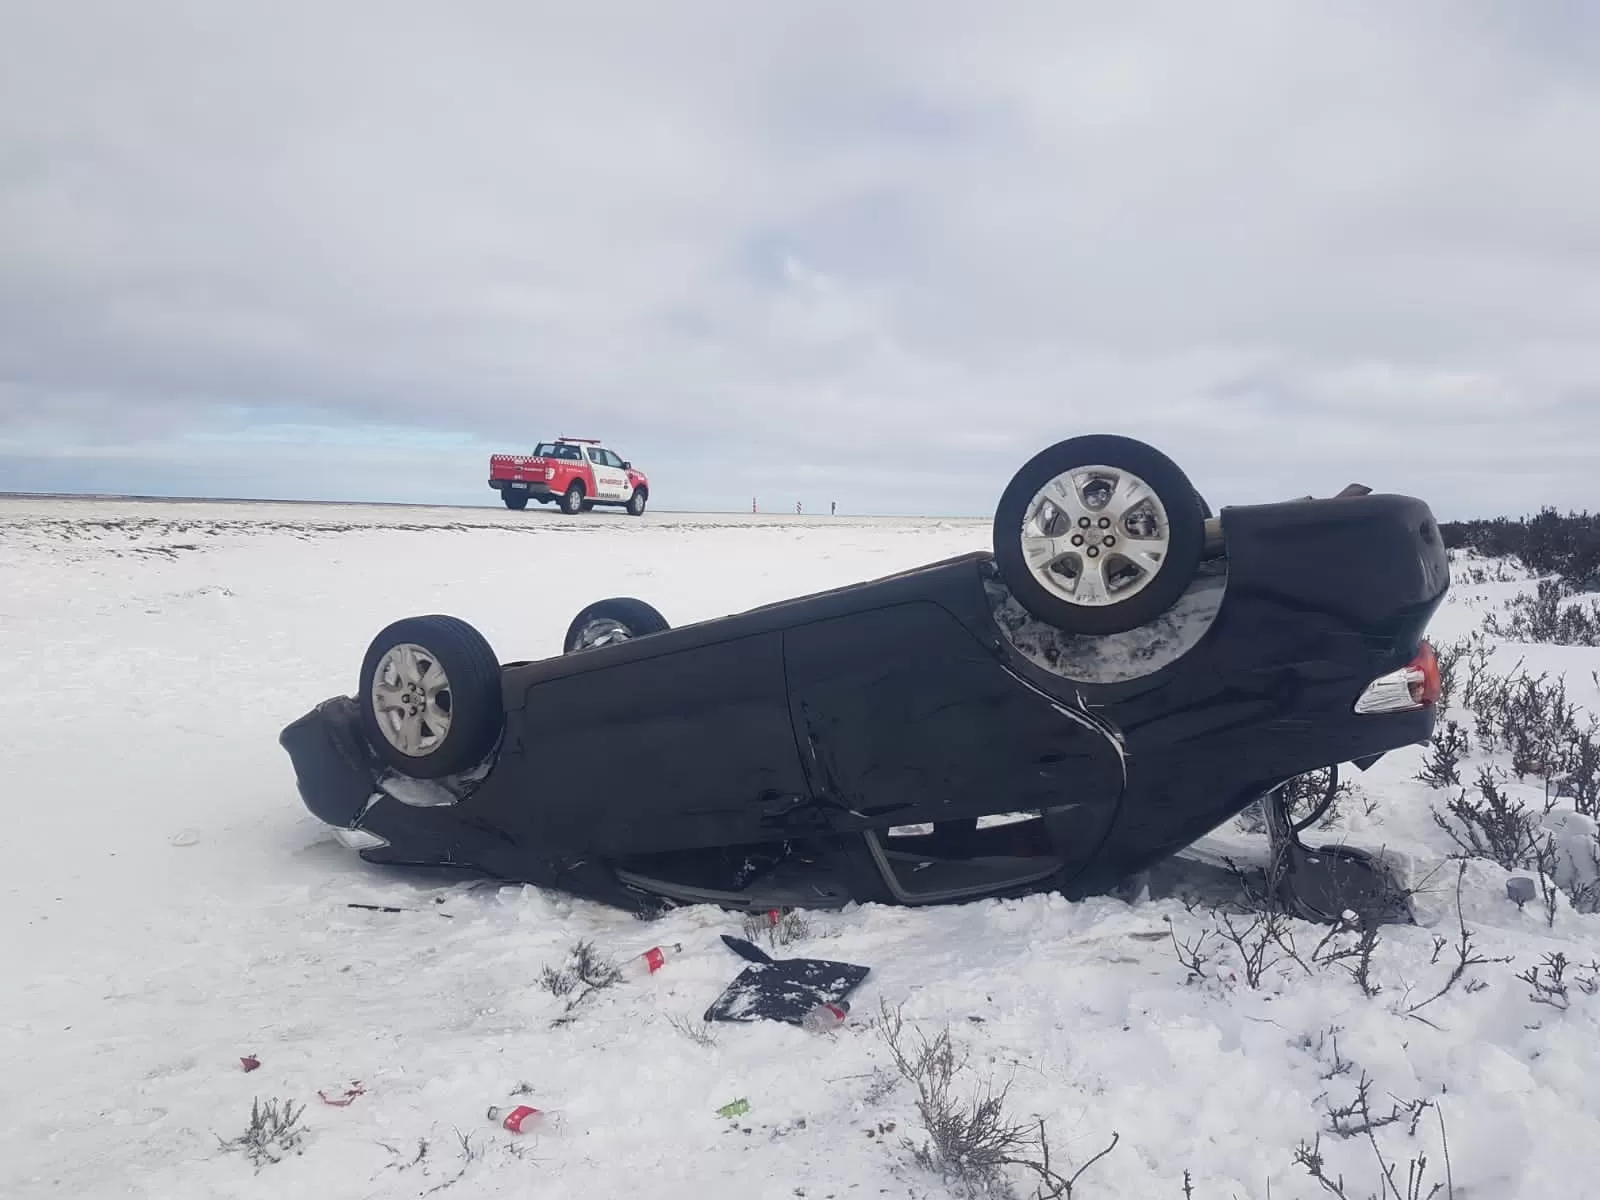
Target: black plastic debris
{"points": [[782, 989], [1326, 883], [1520, 890], [390, 908]]}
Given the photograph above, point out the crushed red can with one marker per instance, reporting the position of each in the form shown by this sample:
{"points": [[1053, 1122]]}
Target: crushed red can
{"points": [[519, 1118]]}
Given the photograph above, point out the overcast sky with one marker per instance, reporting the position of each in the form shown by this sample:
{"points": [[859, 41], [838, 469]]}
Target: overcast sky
{"points": [[879, 253]]}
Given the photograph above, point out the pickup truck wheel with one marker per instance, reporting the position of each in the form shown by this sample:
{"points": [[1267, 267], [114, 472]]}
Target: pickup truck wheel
{"points": [[618, 619], [516, 500], [636, 502], [572, 498], [1099, 534], [430, 696]]}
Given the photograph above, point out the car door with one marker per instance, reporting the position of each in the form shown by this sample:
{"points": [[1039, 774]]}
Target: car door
{"points": [[619, 473], [645, 751], [903, 716], [610, 480]]}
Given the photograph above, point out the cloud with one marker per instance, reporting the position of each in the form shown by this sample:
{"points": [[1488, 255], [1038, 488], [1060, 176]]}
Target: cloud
{"points": [[891, 250]]}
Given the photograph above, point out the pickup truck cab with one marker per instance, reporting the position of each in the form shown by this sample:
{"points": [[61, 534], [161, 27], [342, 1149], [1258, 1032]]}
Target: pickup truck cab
{"points": [[576, 473]]}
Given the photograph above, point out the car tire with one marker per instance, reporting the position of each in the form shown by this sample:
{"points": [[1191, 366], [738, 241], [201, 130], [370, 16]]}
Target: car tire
{"points": [[1105, 589], [460, 714], [572, 499], [515, 500], [636, 503], [618, 619]]}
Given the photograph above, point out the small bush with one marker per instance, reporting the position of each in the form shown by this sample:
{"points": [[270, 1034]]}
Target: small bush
{"points": [[1462, 664], [1414, 1185], [1467, 957], [1470, 654], [1532, 720], [1478, 574], [776, 929], [1579, 778], [585, 973], [1493, 826], [971, 1142], [1356, 1119], [1547, 619], [1268, 942], [1449, 657], [273, 1132], [1443, 765], [699, 1032], [1549, 983]]}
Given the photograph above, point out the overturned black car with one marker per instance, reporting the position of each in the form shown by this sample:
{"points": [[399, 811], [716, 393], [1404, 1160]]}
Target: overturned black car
{"points": [[1122, 675]]}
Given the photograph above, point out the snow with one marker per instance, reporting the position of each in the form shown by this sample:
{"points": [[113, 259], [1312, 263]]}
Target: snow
{"points": [[1117, 657], [172, 908]]}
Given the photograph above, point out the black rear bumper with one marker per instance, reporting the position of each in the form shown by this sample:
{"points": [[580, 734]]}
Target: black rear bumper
{"points": [[333, 771], [521, 487]]}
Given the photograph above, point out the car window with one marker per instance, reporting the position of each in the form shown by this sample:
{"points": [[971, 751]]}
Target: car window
{"points": [[570, 453], [613, 461]]}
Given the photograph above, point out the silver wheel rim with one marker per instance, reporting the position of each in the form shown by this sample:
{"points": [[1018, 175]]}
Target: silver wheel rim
{"points": [[412, 700], [602, 631], [1095, 536]]}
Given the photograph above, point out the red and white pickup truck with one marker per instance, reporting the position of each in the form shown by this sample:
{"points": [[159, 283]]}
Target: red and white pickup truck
{"points": [[576, 473]]}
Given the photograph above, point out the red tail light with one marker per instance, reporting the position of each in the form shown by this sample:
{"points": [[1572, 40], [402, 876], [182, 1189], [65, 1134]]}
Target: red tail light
{"points": [[1427, 662], [1415, 685]]}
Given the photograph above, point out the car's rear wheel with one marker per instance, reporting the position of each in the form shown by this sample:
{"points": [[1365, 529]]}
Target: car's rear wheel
{"points": [[1099, 534], [605, 622], [430, 696], [572, 498], [516, 500]]}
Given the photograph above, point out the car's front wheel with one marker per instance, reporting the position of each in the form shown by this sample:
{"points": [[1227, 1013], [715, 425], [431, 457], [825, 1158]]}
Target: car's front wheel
{"points": [[636, 503], [619, 619], [430, 696], [1099, 534]]}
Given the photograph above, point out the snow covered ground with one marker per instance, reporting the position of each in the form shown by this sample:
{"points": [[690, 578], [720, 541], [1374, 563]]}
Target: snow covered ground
{"points": [[171, 908]]}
